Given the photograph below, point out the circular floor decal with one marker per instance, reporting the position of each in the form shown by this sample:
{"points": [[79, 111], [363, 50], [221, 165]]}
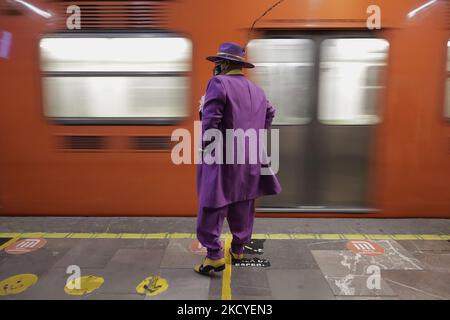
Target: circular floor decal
{"points": [[17, 284], [197, 248], [86, 284], [25, 246], [365, 247], [152, 286]]}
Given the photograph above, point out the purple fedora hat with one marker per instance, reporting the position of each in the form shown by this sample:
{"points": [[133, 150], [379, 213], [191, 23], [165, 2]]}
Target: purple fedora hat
{"points": [[231, 51]]}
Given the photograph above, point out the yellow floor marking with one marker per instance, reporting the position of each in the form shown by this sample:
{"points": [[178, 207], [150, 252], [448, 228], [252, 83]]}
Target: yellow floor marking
{"points": [[32, 234], [56, 235], [6, 244], [272, 236], [155, 236], [83, 285], [132, 236], [260, 236], [354, 236], [404, 236], [303, 236], [80, 235], [226, 277], [153, 285], [329, 236], [107, 235], [279, 236], [17, 284], [379, 236], [9, 234], [180, 235], [430, 237]]}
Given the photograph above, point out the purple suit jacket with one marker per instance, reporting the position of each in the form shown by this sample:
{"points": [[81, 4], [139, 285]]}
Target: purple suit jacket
{"points": [[233, 102]]}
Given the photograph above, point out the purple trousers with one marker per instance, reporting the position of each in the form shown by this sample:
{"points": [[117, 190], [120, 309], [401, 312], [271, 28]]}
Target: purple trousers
{"points": [[240, 216]]}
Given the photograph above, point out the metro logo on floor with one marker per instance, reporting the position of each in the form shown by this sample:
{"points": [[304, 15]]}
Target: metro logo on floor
{"points": [[25, 246], [365, 247]]}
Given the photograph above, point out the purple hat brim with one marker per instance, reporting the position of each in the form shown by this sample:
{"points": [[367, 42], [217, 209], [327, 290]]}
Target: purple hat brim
{"points": [[245, 64]]}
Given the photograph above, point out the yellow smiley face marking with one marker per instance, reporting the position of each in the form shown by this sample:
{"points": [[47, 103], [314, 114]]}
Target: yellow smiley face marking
{"points": [[83, 285], [153, 285], [17, 284]]}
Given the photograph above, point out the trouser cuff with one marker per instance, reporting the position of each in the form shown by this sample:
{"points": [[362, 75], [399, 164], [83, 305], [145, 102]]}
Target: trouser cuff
{"points": [[237, 248], [214, 254]]}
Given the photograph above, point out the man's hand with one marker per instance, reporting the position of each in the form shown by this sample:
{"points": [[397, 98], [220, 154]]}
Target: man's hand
{"points": [[202, 102]]}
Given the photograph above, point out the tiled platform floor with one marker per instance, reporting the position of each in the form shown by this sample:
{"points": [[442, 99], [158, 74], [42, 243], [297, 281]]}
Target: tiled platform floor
{"points": [[308, 268]]}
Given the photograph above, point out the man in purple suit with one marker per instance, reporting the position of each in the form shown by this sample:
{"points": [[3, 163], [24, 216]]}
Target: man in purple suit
{"points": [[228, 187]]}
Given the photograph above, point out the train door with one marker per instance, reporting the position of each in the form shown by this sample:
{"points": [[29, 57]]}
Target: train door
{"points": [[326, 89]]}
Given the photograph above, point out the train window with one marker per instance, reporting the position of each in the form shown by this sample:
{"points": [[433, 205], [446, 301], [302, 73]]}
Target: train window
{"points": [[115, 78], [447, 98], [284, 69], [351, 80]]}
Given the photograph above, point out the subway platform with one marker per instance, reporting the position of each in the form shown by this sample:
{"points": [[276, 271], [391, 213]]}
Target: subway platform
{"points": [[152, 258]]}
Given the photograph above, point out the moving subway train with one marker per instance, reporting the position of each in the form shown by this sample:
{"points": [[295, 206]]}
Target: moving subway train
{"points": [[91, 92]]}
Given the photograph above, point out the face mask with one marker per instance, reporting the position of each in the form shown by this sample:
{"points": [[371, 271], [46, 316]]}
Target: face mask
{"points": [[219, 68]]}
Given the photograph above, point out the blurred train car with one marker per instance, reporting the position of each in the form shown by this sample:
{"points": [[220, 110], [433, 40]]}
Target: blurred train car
{"points": [[87, 113]]}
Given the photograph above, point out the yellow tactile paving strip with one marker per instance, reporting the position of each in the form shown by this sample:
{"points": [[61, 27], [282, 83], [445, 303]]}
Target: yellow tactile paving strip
{"points": [[6, 244], [272, 236], [226, 278]]}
